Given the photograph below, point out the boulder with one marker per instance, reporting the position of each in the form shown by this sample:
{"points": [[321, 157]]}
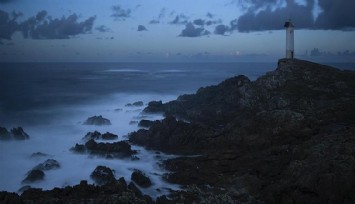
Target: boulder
{"points": [[109, 136], [103, 175], [141, 179], [34, 175], [97, 120], [49, 164], [38, 155]]}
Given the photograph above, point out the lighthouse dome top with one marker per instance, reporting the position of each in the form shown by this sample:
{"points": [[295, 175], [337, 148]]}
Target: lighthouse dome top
{"points": [[288, 24]]}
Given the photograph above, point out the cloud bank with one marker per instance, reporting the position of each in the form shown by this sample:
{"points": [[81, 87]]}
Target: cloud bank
{"points": [[262, 15], [43, 26]]}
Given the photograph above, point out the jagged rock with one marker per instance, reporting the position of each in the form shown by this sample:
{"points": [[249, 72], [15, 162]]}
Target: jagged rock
{"points": [[135, 104], [145, 123], [4, 134], [97, 120], [119, 149], [97, 135], [10, 198], [38, 154], [19, 134], [154, 107], [49, 164], [15, 133], [135, 189], [141, 179], [34, 175], [172, 136], [23, 188], [103, 175]]}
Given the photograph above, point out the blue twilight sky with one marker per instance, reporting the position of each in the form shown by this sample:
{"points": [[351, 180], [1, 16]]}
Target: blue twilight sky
{"points": [[174, 30]]}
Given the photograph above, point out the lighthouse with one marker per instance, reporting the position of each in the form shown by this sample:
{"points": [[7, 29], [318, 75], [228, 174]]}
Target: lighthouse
{"points": [[290, 52]]}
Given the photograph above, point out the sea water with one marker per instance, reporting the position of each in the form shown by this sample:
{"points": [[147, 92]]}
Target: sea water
{"points": [[52, 100]]}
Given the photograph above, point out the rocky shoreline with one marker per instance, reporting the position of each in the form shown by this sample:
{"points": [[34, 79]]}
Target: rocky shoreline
{"points": [[287, 137]]}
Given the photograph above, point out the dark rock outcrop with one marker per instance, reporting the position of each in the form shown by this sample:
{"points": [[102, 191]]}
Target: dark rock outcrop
{"points": [[287, 137], [15, 133], [119, 149], [97, 135], [49, 164], [103, 175], [135, 104], [145, 123], [141, 179], [97, 120], [34, 175]]}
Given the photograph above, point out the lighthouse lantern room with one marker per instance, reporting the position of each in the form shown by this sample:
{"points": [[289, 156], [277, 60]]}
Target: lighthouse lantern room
{"points": [[290, 52]]}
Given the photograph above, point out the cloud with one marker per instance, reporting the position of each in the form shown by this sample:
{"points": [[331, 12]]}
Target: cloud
{"points": [[5, 1], [180, 20], [45, 27], [264, 15], [8, 24], [221, 29], [141, 28], [192, 31], [120, 13], [103, 29]]}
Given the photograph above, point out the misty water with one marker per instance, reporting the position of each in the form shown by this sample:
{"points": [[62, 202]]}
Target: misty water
{"points": [[52, 100]]}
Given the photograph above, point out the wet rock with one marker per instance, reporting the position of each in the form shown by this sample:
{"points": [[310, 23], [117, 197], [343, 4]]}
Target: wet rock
{"points": [[15, 133], [154, 107], [97, 120], [10, 198], [38, 155], [34, 175], [4, 134], [135, 190], [97, 135], [49, 164], [102, 175], [119, 149], [19, 134], [135, 104], [145, 123], [141, 179]]}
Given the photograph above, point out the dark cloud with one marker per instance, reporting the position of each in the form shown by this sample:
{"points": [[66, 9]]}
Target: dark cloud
{"points": [[8, 24], [192, 31], [103, 29], [263, 15], [141, 28], [221, 29], [43, 27], [180, 20], [120, 13], [336, 15], [269, 19]]}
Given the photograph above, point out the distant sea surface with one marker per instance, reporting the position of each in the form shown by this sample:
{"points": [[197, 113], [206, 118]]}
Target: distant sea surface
{"points": [[52, 100]]}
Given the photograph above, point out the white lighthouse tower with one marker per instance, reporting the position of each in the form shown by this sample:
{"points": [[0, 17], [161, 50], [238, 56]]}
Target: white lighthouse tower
{"points": [[290, 52]]}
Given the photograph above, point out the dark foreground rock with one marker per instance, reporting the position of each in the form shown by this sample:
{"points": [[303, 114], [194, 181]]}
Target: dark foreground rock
{"points": [[145, 123], [97, 120], [15, 133], [114, 192], [103, 175], [119, 149], [141, 179], [288, 137]]}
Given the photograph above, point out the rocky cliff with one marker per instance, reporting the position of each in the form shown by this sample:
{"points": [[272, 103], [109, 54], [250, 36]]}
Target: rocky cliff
{"points": [[288, 137]]}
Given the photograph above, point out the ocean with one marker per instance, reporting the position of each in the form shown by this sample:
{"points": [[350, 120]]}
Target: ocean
{"points": [[52, 100]]}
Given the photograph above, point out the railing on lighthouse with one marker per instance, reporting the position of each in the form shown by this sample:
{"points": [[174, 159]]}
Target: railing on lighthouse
{"points": [[290, 52]]}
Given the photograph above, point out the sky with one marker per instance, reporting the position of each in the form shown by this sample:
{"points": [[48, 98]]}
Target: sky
{"points": [[174, 30]]}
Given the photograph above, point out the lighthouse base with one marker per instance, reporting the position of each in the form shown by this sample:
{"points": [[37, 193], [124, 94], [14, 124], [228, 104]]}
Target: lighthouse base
{"points": [[290, 54]]}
